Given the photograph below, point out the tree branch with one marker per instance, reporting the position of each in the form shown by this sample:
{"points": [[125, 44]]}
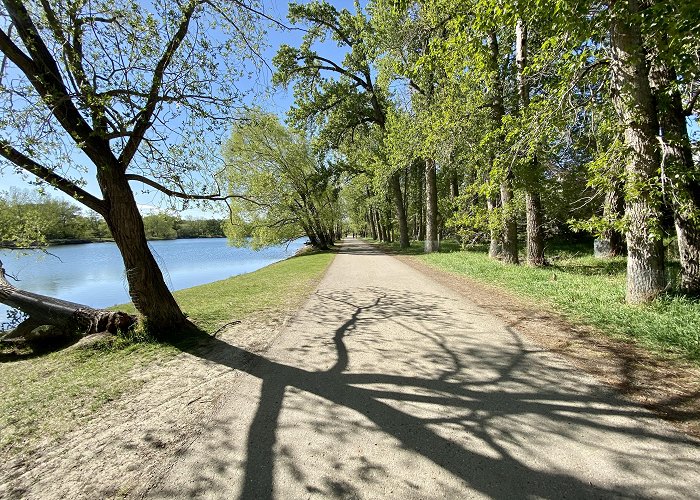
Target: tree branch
{"points": [[43, 73], [49, 176], [336, 68], [188, 196], [144, 117], [693, 99]]}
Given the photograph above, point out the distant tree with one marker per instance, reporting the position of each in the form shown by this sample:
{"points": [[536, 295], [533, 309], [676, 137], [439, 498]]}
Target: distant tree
{"points": [[282, 190], [160, 227]]}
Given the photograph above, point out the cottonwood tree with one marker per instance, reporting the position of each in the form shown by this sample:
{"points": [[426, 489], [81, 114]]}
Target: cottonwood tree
{"points": [[130, 90]]}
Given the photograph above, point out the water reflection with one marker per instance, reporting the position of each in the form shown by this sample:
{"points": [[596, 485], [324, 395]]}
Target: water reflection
{"points": [[93, 273]]}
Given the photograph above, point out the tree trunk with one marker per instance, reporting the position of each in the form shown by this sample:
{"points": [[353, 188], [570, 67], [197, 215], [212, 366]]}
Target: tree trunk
{"points": [[494, 240], [431, 207], [509, 230], [679, 175], [533, 203], [67, 318], [612, 243], [454, 186], [535, 235], [154, 302], [370, 223], [646, 277], [400, 210]]}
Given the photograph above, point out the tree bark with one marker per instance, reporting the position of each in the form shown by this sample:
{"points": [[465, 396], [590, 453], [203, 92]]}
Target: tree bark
{"points": [[400, 210], [533, 203], [632, 98], [147, 289], [613, 208], [454, 186], [535, 234], [509, 229], [679, 174], [431, 205], [67, 317], [494, 240]]}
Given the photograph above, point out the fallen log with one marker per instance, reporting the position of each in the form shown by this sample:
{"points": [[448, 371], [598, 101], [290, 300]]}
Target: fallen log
{"points": [[61, 316]]}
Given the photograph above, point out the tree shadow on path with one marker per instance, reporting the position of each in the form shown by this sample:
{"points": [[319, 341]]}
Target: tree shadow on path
{"points": [[479, 406]]}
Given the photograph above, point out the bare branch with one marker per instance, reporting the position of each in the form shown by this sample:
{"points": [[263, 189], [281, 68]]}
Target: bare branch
{"points": [[189, 196], [48, 175], [144, 118]]}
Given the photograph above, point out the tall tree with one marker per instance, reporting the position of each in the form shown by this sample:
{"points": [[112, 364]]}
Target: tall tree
{"points": [[633, 100], [671, 35], [340, 95], [533, 201], [128, 88], [282, 189], [509, 227]]}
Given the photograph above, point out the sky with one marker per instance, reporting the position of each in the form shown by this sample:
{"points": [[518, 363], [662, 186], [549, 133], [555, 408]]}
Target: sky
{"points": [[278, 101]]}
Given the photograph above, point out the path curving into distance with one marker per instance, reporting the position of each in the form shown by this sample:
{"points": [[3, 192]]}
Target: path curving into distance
{"points": [[389, 385]]}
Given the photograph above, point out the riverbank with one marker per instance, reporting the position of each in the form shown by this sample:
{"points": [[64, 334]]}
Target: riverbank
{"points": [[48, 396], [4, 245]]}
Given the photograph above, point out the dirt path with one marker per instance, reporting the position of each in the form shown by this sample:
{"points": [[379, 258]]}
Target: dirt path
{"points": [[387, 384]]}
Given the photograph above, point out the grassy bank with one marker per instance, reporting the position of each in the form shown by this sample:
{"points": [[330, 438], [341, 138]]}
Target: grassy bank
{"points": [[585, 290], [45, 396]]}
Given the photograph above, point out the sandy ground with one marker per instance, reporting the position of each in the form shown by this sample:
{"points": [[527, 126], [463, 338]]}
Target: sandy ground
{"points": [[386, 384]]}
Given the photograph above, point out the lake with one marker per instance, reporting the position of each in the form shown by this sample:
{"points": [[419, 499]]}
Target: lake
{"points": [[93, 273]]}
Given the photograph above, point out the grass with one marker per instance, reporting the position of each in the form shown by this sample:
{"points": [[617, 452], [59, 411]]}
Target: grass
{"points": [[45, 396], [584, 290]]}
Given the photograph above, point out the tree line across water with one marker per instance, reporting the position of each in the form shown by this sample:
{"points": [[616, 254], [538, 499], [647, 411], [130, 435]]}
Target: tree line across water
{"points": [[28, 219], [496, 122]]}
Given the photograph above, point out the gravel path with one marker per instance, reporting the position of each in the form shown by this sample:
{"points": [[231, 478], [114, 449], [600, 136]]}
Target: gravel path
{"points": [[389, 385]]}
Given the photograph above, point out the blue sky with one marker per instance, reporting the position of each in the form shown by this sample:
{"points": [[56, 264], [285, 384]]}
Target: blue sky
{"points": [[277, 101]]}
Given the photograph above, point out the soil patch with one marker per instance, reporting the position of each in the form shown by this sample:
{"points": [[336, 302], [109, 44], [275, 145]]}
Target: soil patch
{"points": [[134, 439]]}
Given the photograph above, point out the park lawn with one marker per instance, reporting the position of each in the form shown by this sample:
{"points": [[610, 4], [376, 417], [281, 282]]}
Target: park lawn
{"points": [[44, 396], [585, 290]]}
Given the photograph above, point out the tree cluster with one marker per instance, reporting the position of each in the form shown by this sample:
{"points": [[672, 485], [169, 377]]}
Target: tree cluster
{"points": [[511, 122]]}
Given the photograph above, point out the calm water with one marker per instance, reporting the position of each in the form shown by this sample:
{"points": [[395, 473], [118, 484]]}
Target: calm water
{"points": [[93, 273]]}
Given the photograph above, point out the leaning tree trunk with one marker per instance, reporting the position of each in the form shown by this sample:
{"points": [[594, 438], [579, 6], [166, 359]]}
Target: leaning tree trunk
{"points": [[533, 202], [509, 229], [646, 277], [680, 175], [65, 318], [431, 205], [151, 297], [395, 182]]}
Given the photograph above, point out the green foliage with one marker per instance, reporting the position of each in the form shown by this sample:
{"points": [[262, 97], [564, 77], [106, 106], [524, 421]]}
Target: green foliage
{"points": [[160, 227], [280, 188], [31, 219]]}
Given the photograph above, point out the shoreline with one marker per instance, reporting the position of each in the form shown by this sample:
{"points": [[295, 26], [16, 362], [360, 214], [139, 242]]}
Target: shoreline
{"points": [[58, 243]]}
